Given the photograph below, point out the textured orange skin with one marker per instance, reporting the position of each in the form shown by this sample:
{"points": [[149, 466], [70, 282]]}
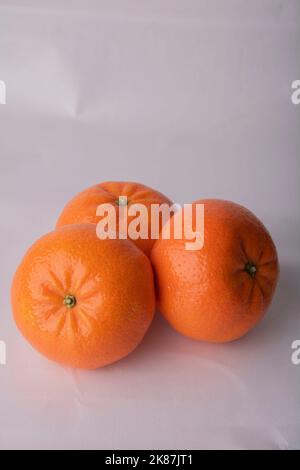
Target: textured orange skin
{"points": [[112, 281], [82, 208], [207, 294]]}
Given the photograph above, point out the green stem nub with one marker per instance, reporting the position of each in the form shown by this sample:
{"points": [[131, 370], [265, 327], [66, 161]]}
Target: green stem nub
{"points": [[122, 201], [251, 269], [69, 301]]}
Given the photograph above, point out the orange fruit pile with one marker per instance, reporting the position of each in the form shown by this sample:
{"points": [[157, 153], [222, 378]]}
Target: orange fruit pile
{"points": [[86, 302]]}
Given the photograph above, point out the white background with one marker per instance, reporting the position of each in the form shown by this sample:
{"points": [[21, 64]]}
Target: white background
{"points": [[194, 99]]}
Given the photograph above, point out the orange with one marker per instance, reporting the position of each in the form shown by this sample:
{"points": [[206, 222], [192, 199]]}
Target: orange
{"points": [[82, 208], [220, 292], [81, 301]]}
